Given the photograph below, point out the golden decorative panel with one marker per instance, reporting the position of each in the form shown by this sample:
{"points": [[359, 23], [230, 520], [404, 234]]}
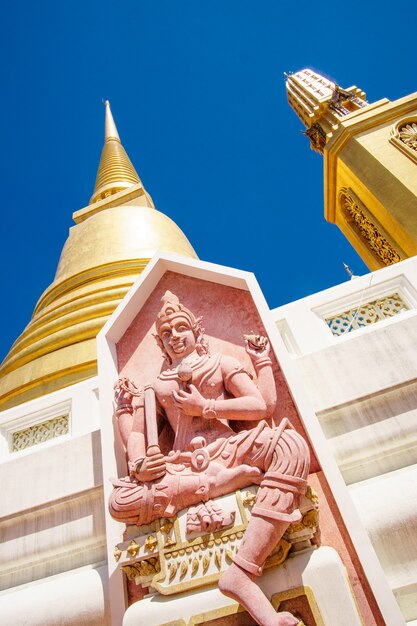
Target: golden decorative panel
{"points": [[356, 216], [161, 555], [38, 433], [367, 313]]}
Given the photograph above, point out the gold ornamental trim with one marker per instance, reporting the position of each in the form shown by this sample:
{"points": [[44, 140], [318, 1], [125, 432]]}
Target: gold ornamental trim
{"points": [[69, 337], [64, 316], [291, 594], [123, 197], [233, 609], [79, 302], [37, 340], [46, 383], [365, 226]]}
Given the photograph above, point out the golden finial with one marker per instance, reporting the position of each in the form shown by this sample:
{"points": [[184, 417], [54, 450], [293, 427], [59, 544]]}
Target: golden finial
{"points": [[349, 271], [115, 171], [110, 130]]}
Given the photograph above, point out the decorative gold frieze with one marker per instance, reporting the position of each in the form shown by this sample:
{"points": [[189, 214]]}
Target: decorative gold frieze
{"points": [[218, 559], [194, 566], [166, 527], [356, 217], [206, 563], [366, 314], [151, 542], [312, 496], [169, 542], [133, 548], [38, 433], [186, 562], [172, 571], [142, 569]]}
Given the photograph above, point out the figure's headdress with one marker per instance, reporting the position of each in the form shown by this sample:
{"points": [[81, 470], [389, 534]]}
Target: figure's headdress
{"points": [[171, 306]]}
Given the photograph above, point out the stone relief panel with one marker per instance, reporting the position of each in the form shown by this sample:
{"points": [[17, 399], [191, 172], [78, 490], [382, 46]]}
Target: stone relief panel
{"points": [[217, 479], [214, 489], [200, 429]]}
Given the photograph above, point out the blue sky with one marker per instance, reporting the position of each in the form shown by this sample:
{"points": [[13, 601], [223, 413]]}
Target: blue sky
{"points": [[197, 91]]}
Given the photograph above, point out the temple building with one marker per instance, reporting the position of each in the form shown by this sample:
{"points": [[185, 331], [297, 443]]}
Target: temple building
{"points": [[347, 370], [370, 155]]}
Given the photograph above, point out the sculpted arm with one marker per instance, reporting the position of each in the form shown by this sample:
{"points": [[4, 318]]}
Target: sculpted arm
{"points": [[128, 418], [136, 444], [247, 402], [131, 420], [258, 349]]}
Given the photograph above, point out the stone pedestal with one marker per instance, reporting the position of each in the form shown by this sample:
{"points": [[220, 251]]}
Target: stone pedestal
{"points": [[316, 576]]}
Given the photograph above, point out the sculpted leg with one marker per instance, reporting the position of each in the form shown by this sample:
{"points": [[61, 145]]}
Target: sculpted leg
{"points": [[275, 508], [238, 582]]}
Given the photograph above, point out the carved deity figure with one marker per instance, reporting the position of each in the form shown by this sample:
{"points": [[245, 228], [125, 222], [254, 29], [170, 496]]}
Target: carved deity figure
{"points": [[182, 450]]}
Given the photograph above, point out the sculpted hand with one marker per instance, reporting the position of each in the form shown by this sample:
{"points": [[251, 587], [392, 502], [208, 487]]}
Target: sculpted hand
{"points": [[124, 392], [257, 346], [152, 468], [191, 403]]}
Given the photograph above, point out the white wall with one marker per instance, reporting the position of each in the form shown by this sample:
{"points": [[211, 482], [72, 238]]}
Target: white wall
{"points": [[52, 515], [363, 386]]}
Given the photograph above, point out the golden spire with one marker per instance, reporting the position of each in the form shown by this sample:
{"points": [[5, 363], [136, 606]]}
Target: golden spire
{"points": [[102, 257], [115, 171]]}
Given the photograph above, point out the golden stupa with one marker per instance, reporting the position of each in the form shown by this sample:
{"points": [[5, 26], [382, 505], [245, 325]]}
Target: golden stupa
{"points": [[112, 241]]}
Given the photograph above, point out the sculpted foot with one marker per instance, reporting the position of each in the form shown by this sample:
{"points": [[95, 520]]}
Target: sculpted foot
{"points": [[208, 517], [241, 586]]}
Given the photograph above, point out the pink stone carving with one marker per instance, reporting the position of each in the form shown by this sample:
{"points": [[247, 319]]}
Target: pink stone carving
{"points": [[182, 450], [208, 517]]}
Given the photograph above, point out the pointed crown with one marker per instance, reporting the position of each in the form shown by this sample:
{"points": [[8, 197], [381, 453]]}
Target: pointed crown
{"points": [[172, 306]]}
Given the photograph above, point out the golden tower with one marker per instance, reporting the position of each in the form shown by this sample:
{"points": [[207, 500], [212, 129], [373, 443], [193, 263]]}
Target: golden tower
{"points": [[370, 164], [113, 239]]}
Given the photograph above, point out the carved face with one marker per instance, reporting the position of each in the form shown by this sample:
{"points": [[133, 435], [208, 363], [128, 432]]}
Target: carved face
{"points": [[177, 337]]}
